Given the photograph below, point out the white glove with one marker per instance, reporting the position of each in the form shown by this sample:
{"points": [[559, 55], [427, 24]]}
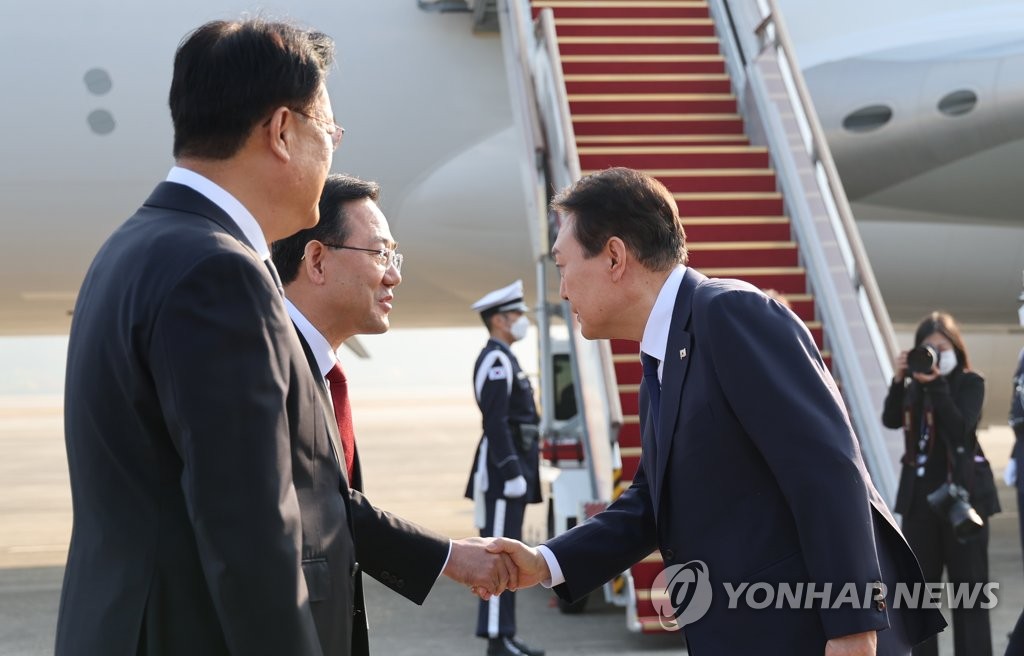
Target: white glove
{"points": [[514, 487], [1009, 475]]}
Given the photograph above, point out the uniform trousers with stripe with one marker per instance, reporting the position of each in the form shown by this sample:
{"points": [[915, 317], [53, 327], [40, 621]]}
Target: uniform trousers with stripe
{"points": [[497, 616]]}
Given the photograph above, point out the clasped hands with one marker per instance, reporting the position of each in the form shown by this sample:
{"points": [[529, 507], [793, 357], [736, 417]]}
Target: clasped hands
{"points": [[489, 566]]}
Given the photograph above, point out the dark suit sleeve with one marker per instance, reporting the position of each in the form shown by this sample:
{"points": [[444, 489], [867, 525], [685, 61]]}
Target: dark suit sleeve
{"points": [[221, 371], [892, 410], [773, 377], [403, 556], [608, 543], [956, 418], [494, 398], [1017, 408]]}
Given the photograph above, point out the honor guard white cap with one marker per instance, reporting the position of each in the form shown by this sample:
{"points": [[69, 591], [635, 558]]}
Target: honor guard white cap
{"points": [[506, 299]]}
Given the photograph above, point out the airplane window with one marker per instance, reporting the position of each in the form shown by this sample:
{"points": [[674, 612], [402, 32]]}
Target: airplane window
{"points": [[97, 81], [958, 103], [101, 121], [868, 118]]}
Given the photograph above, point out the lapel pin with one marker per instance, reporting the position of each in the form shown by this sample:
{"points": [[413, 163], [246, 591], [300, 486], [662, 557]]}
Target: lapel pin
{"points": [[682, 353]]}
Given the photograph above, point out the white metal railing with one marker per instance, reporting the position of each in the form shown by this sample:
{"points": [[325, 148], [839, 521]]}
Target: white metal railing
{"points": [[541, 110], [779, 111]]}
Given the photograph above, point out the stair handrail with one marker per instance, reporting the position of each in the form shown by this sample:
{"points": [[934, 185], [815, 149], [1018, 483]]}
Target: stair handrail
{"points": [[779, 112], [541, 109], [820, 153]]}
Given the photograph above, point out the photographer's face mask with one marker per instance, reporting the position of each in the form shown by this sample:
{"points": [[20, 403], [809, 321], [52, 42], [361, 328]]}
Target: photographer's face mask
{"points": [[1020, 314], [947, 362]]}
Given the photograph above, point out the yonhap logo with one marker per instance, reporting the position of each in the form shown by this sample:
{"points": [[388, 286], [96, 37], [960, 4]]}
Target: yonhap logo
{"points": [[681, 594]]}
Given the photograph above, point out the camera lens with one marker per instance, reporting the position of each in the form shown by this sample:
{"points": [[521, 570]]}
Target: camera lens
{"points": [[922, 359]]}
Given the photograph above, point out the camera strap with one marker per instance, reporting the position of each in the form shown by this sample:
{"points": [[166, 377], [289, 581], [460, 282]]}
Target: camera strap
{"points": [[922, 449]]}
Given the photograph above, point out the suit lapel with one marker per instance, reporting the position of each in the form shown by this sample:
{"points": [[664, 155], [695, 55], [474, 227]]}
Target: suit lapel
{"points": [[676, 365]]}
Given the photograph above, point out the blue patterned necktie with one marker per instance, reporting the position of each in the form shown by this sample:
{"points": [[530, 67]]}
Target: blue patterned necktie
{"points": [[650, 365]]}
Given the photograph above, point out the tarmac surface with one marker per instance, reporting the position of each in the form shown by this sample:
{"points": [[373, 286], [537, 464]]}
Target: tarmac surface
{"points": [[416, 453]]}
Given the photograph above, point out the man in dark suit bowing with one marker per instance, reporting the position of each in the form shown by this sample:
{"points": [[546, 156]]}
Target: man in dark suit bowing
{"points": [[209, 513], [750, 471], [339, 279]]}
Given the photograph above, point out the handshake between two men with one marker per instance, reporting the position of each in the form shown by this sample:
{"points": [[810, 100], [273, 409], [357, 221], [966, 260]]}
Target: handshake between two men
{"points": [[489, 566]]}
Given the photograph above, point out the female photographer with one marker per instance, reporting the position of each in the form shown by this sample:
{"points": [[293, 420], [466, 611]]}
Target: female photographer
{"points": [[946, 490]]}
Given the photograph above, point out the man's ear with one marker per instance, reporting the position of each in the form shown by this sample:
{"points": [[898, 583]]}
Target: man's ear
{"points": [[616, 252], [279, 133], [313, 262]]}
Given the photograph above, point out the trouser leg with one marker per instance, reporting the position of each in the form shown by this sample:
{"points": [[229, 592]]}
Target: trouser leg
{"points": [[924, 535], [497, 616], [967, 565], [1020, 498]]}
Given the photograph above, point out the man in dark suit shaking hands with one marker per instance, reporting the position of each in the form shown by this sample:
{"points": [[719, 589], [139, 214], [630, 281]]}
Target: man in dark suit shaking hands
{"points": [[749, 464], [210, 514], [340, 278]]}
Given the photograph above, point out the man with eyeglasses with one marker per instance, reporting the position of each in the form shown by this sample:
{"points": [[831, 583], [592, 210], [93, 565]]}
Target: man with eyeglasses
{"points": [[210, 514], [505, 475], [339, 279]]}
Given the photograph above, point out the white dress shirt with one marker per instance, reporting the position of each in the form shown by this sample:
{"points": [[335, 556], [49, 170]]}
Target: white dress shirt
{"points": [[242, 217], [654, 344], [322, 351]]}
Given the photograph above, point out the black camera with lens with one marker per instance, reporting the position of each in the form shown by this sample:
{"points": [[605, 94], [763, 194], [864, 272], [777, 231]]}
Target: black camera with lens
{"points": [[953, 502], [922, 360]]}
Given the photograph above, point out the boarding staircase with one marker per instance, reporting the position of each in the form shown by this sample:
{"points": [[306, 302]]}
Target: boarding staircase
{"points": [[647, 89], [648, 84]]}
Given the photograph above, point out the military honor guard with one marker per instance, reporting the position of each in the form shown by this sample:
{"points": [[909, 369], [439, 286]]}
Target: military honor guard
{"points": [[505, 473]]}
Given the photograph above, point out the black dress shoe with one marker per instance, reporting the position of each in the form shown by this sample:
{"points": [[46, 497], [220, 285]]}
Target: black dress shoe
{"points": [[525, 648], [506, 646]]}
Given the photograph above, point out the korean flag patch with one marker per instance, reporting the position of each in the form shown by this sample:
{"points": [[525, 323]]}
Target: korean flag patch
{"points": [[496, 373]]}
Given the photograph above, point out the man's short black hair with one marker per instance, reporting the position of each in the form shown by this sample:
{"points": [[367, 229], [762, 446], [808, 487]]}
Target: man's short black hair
{"points": [[630, 205], [230, 75], [332, 228]]}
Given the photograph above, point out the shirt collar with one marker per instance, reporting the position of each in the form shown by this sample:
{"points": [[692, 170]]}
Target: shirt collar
{"points": [[655, 340], [224, 200], [322, 351]]}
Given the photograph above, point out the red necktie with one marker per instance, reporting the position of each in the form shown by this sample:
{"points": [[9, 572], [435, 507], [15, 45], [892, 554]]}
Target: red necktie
{"points": [[343, 413]]}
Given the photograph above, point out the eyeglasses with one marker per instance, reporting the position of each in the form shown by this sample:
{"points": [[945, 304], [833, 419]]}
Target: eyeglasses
{"points": [[385, 257], [334, 130]]}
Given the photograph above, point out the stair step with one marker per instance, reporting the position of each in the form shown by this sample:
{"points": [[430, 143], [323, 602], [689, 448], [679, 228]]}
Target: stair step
{"points": [[736, 228], [715, 180], [652, 103], [639, 27], [788, 280], [729, 203], [626, 9], [662, 140], [638, 45], [695, 157], [768, 254], [652, 624], [672, 124], [641, 64], [594, 83]]}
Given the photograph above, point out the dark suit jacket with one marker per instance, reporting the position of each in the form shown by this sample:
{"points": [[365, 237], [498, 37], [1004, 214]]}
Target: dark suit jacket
{"points": [[757, 473], [403, 556], [209, 513]]}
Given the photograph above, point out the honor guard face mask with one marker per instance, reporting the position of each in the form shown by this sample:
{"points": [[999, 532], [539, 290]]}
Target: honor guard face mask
{"points": [[519, 327]]}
